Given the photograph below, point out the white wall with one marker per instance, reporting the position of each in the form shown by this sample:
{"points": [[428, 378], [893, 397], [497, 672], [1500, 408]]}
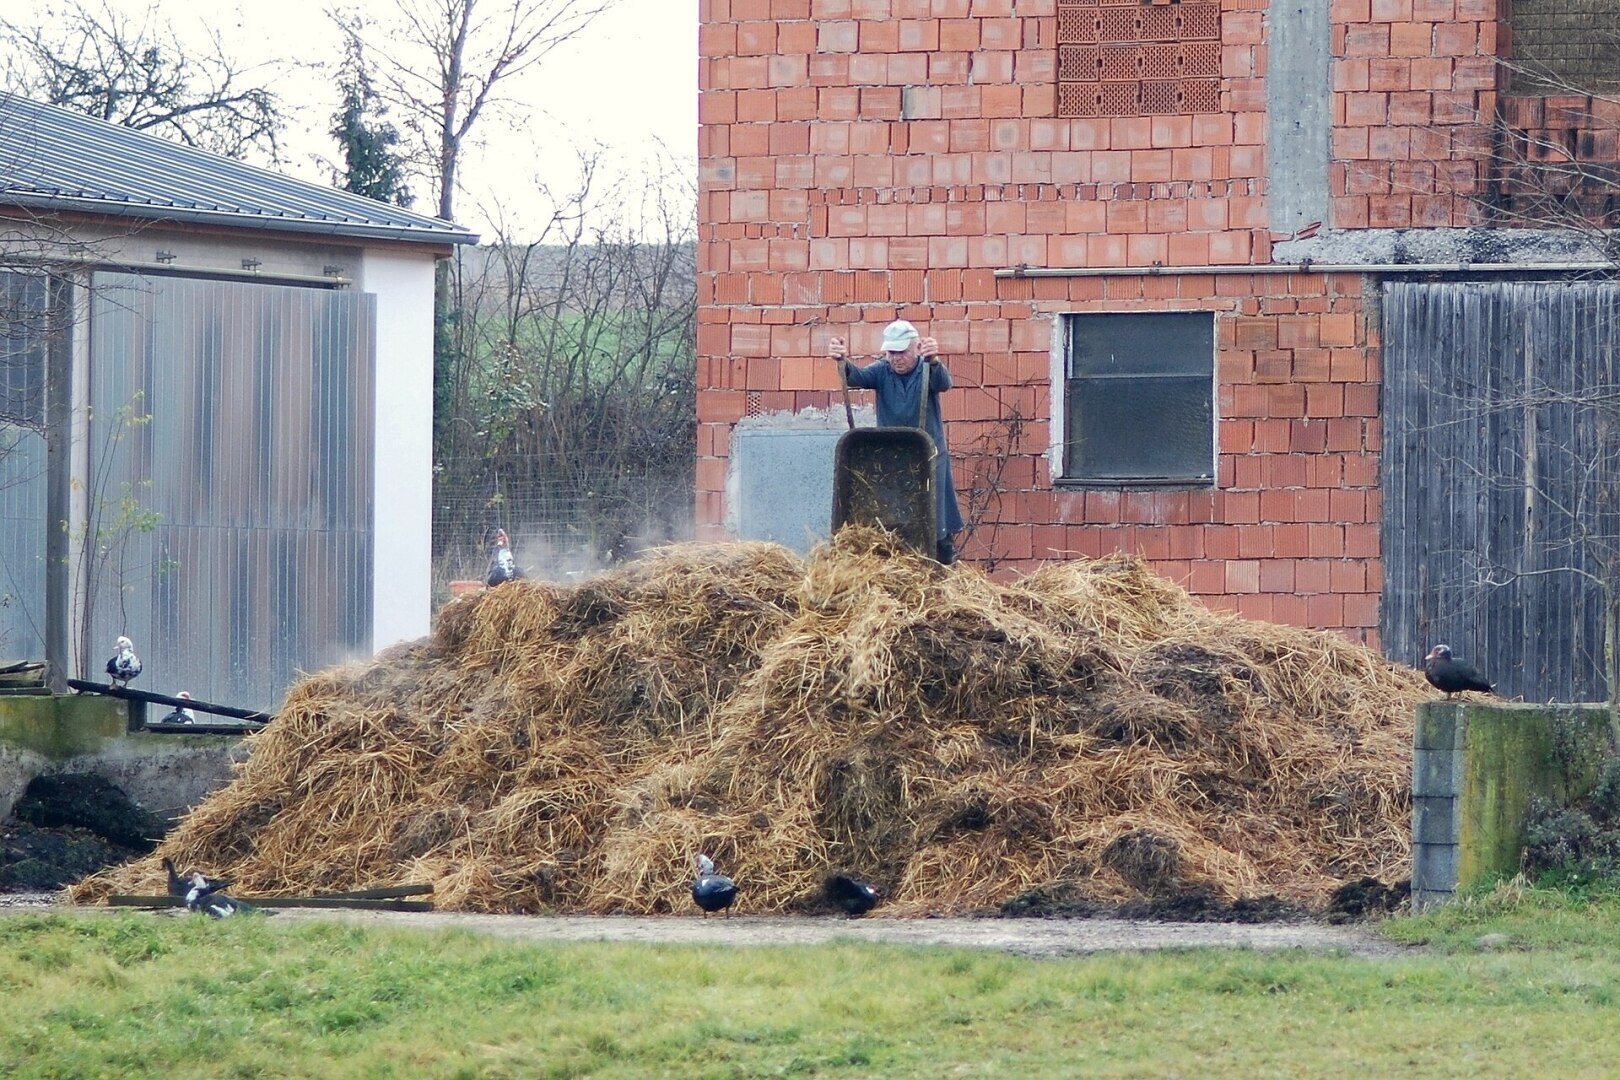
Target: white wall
{"points": [[403, 514]]}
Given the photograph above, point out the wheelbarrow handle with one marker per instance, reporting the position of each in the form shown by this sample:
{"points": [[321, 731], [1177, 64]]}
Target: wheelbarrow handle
{"points": [[843, 382]]}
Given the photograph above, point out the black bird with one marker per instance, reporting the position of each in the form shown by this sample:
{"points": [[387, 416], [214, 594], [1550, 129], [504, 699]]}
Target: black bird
{"points": [[853, 895], [179, 714], [1452, 676], [178, 886], [712, 891], [124, 665], [206, 897], [502, 566], [181, 885]]}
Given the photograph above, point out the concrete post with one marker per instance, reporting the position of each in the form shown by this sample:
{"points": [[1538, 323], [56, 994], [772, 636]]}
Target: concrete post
{"points": [[1475, 769]]}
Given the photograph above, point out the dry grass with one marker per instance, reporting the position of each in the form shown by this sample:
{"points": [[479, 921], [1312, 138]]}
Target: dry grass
{"points": [[1089, 728]]}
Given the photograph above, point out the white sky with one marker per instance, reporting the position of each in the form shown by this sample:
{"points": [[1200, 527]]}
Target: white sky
{"points": [[627, 83]]}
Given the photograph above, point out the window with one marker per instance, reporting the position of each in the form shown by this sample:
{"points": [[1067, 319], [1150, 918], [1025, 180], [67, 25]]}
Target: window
{"points": [[22, 348], [1139, 398]]}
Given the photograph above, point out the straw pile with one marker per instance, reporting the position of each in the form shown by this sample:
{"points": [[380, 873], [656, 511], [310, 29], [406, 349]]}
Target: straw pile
{"points": [[1088, 729]]}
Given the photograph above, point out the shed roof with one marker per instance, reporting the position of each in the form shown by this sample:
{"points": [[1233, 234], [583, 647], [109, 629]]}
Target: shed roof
{"points": [[56, 159]]}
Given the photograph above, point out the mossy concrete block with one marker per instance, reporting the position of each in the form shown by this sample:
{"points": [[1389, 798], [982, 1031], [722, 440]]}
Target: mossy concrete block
{"points": [[1434, 820], [1500, 757], [60, 727], [1436, 728], [1435, 772], [1433, 863], [1513, 754]]}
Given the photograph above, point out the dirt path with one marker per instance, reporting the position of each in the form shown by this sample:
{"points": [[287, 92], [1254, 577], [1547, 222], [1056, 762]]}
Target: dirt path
{"points": [[1024, 937]]}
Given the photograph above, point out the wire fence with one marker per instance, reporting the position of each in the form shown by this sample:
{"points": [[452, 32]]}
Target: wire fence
{"points": [[567, 516]]}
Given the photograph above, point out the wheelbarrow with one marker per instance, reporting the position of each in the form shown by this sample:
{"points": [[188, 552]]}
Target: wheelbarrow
{"points": [[885, 476]]}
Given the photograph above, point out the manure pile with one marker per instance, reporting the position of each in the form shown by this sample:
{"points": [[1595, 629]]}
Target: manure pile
{"points": [[1089, 730]]}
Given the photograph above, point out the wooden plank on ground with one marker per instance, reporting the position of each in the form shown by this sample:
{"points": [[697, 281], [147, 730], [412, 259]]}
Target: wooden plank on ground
{"points": [[333, 902], [385, 892]]}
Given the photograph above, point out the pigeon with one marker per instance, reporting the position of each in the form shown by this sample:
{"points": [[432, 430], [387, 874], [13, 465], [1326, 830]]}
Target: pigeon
{"points": [[1452, 676], [207, 898], [712, 891], [502, 566], [179, 714], [853, 895], [124, 665]]}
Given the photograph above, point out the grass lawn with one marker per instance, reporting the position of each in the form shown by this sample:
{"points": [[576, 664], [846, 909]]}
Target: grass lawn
{"points": [[138, 995]]}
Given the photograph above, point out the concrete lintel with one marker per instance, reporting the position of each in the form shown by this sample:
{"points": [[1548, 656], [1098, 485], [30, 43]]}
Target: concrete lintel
{"points": [[1424, 246]]}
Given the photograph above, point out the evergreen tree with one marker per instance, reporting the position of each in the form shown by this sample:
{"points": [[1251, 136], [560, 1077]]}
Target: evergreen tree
{"points": [[371, 165]]}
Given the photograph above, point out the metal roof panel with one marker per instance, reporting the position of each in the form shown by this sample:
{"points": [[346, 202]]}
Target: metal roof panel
{"points": [[56, 159]]}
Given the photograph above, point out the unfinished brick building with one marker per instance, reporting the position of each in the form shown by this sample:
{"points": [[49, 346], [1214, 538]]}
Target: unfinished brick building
{"points": [[1171, 251]]}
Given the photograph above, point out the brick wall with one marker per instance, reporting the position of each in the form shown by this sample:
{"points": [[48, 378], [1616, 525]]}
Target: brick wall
{"points": [[1557, 162], [1415, 89], [863, 160], [1560, 44]]}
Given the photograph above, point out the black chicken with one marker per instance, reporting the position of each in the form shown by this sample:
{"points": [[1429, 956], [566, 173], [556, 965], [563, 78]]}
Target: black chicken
{"points": [[854, 896], [178, 886], [1450, 675]]}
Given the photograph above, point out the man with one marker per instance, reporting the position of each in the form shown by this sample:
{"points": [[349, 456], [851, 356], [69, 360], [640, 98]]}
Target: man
{"points": [[897, 379]]}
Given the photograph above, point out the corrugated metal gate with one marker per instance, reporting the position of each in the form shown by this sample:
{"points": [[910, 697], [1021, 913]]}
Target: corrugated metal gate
{"points": [[231, 462], [1501, 409], [22, 465]]}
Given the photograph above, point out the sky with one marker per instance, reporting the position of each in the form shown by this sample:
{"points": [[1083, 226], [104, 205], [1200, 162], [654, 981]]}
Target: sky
{"points": [[627, 84]]}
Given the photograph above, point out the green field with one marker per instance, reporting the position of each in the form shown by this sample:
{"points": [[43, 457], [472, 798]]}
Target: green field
{"points": [[142, 995]]}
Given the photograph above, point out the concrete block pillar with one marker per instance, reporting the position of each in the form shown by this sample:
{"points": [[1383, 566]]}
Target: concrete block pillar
{"points": [[1475, 770]]}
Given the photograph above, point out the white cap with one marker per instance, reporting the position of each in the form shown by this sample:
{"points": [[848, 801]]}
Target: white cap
{"points": [[898, 336]]}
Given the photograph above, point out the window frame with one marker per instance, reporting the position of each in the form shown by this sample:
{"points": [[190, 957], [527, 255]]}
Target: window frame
{"points": [[23, 348], [1065, 325]]}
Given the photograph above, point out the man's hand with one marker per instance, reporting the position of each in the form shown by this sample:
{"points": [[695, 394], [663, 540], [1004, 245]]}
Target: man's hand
{"points": [[837, 349], [928, 348]]}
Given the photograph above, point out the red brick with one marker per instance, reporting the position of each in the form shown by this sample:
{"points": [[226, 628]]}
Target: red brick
{"points": [[1277, 575], [1366, 40], [1242, 576], [1325, 612], [1327, 541], [1361, 541], [1361, 609], [1207, 578], [959, 35], [1347, 576], [721, 405], [1419, 39], [1324, 401]]}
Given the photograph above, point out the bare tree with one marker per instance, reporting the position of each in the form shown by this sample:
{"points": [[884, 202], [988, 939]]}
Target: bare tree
{"points": [[578, 424], [137, 73], [1557, 465], [439, 64]]}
